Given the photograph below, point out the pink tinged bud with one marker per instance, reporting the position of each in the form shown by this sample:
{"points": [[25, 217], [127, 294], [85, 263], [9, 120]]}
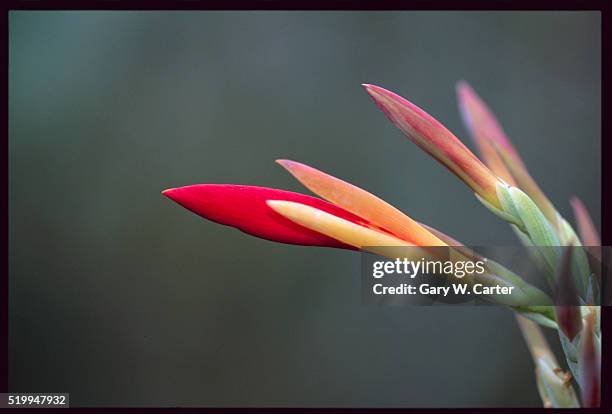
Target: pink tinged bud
{"points": [[589, 361], [497, 150], [588, 233], [244, 207], [484, 128], [527, 184], [432, 137], [567, 310]]}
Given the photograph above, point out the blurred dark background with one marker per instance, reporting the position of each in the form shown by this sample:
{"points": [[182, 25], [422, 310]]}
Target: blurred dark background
{"points": [[121, 297]]}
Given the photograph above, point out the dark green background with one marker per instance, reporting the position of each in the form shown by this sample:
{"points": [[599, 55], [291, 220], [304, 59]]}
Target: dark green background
{"points": [[120, 297]]}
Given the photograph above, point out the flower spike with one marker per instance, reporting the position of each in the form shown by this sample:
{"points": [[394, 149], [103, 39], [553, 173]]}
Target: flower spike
{"points": [[431, 136], [349, 217]]}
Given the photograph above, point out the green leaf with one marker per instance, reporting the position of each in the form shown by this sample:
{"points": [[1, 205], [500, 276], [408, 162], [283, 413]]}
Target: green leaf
{"points": [[538, 228], [527, 295], [543, 315], [500, 213], [503, 194], [535, 254]]}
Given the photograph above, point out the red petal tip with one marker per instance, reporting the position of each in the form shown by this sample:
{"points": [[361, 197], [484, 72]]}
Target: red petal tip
{"points": [[168, 192]]}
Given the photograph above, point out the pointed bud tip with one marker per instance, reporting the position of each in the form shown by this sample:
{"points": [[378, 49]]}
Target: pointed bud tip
{"points": [[284, 163], [182, 195], [292, 166], [373, 90], [285, 208], [368, 88], [464, 90], [274, 204], [462, 85], [168, 192]]}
